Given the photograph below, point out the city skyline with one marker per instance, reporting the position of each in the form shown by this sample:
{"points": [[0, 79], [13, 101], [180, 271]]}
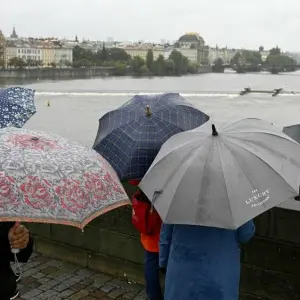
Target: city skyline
{"points": [[233, 24]]}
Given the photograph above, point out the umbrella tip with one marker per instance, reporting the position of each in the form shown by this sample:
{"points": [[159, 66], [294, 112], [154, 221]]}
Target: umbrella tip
{"points": [[214, 130], [148, 112]]}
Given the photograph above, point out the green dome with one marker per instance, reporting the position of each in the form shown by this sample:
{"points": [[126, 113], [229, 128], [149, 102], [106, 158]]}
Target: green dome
{"points": [[191, 38]]}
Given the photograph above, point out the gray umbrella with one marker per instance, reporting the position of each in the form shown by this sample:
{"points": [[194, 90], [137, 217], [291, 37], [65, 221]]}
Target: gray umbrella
{"points": [[202, 177], [293, 132]]}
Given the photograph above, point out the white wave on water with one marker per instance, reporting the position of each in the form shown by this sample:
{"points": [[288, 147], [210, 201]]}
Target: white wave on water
{"points": [[131, 94]]}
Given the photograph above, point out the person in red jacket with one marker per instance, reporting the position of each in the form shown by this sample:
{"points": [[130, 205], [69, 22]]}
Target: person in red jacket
{"points": [[148, 223]]}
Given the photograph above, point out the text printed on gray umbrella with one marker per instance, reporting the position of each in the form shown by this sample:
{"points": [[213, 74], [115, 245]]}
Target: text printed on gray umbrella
{"points": [[258, 198]]}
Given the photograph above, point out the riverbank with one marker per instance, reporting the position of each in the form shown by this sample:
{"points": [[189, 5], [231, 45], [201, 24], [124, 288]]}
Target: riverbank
{"points": [[69, 73], [57, 73]]}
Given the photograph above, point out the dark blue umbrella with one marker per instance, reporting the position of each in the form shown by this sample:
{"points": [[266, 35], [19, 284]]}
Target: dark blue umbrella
{"points": [[130, 137], [16, 106]]}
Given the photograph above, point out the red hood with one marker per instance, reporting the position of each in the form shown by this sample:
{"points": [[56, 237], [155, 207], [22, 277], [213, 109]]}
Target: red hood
{"points": [[134, 182]]}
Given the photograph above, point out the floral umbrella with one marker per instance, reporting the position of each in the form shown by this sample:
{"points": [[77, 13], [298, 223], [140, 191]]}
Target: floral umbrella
{"points": [[16, 106], [46, 178]]}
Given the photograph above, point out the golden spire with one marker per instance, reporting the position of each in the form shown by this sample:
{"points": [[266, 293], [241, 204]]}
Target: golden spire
{"points": [[148, 112]]}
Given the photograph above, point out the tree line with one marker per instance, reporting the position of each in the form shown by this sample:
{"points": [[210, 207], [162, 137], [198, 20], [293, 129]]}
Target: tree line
{"points": [[124, 64], [251, 61]]}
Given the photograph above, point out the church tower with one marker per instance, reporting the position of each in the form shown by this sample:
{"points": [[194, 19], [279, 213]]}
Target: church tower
{"points": [[14, 34]]}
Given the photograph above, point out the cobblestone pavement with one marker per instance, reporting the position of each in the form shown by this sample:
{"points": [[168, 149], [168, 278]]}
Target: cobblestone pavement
{"points": [[46, 278]]}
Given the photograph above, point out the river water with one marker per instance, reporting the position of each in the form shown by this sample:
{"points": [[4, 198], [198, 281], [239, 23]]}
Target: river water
{"points": [[77, 105]]}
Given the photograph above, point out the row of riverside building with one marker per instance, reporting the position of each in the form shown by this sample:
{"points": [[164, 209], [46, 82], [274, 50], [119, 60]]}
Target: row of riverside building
{"points": [[49, 51], [46, 51]]}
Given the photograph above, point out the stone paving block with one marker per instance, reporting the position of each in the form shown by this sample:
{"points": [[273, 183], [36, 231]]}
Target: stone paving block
{"points": [[48, 285], [48, 294], [55, 274], [77, 287], [129, 295], [125, 285], [116, 293], [50, 270], [38, 275], [27, 280], [85, 273], [79, 295], [76, 278], [61, 287], [64, 276], [141, 296], [30, 272], [43, 280], [66, 293], [54, 263], [107, 288], [98, 294], [32, 294]]}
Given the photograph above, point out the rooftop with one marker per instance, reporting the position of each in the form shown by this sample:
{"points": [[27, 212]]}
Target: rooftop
{"points": [[35, 43]]}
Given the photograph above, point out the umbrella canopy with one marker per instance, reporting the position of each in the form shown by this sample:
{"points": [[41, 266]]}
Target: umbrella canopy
{"points": [[131, 136], [46, 178], [202, 177], [293, 132], [16, 106]]}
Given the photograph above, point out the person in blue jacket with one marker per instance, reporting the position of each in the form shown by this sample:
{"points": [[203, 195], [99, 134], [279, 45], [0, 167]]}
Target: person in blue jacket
{"points": [[202, 263]]}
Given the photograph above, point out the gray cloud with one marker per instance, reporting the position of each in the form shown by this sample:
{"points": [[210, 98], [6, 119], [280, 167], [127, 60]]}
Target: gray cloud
{"points": [[235, 23]]}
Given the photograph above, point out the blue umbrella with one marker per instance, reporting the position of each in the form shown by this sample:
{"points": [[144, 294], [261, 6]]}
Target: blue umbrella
{"points": [[16, 106], [130, 137]]}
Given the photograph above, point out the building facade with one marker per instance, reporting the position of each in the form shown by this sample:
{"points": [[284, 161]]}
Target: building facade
{"points": [[40, 52], [2, 50], [190, 54], [195, 43], [224, 53], [27, 50], [264, 55], [142, 50]]}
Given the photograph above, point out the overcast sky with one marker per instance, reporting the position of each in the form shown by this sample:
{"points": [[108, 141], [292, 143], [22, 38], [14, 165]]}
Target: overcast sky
{"points": [[235, 23]]}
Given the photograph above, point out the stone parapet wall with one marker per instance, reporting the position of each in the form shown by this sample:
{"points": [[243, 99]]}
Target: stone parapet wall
{"points": [[110, 244]]}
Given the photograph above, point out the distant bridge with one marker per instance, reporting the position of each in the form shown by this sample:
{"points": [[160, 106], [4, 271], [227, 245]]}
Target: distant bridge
{"points": [[268, 69]]}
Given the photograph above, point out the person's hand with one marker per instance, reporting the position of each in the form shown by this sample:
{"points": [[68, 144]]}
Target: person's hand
{"points": [[18, 237]]}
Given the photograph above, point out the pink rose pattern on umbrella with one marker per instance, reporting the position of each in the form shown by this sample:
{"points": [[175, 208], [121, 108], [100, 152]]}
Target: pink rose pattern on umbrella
{"points": [[53, 179], [97, 186], [8, 193], [37, 193], [72, 196]]}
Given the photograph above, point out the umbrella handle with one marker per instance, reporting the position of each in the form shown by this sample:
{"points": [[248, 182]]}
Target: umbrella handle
{"points": [[16, 251]]}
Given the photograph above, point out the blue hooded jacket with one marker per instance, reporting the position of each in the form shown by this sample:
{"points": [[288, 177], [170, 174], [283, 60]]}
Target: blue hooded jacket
{"points": [[203, 263]]}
